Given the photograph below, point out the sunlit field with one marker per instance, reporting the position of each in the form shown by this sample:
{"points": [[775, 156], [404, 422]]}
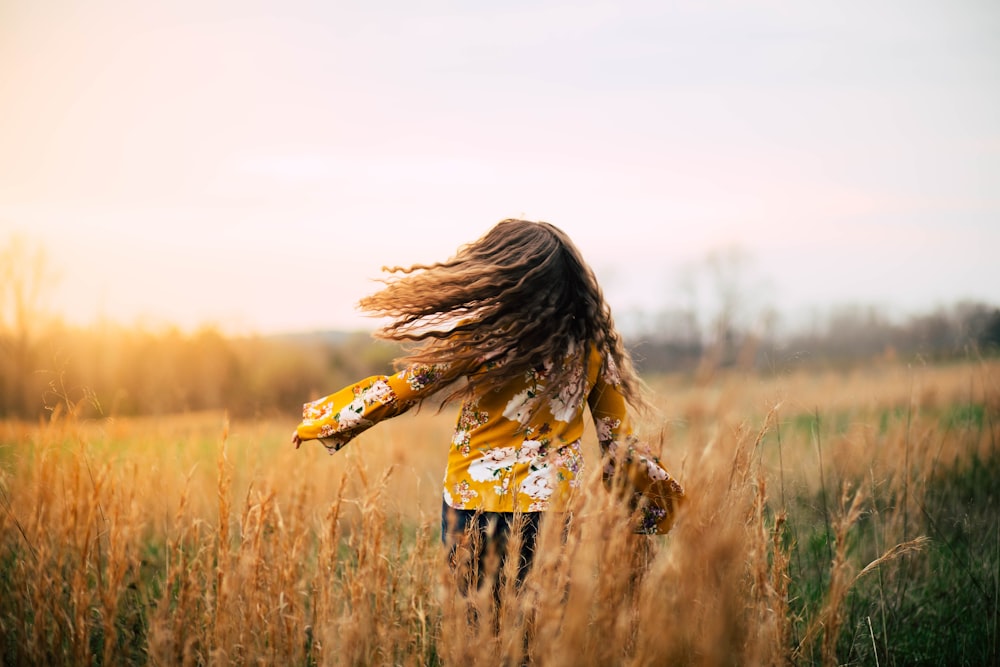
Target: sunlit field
{"points": [[833, 518]]}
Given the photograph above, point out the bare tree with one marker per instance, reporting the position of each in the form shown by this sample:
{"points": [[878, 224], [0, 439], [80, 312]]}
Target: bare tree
{"points": [[24, 277], [736, 311]]}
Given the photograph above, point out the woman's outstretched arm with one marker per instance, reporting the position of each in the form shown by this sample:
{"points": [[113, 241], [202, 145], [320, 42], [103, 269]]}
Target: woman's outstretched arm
{"points": [[338, 418]]}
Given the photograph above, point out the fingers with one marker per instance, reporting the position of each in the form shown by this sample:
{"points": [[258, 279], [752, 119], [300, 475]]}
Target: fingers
{"points": [[296, 440]]}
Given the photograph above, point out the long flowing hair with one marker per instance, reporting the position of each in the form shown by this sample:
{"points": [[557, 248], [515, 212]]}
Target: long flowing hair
{"points": [[519, 298]]}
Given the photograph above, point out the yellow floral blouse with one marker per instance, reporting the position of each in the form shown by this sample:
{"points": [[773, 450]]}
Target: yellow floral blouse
{"points": [[507, 453]]}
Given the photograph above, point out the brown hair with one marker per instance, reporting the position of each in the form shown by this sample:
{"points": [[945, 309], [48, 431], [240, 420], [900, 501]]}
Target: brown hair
{"points": [[521, 295]]}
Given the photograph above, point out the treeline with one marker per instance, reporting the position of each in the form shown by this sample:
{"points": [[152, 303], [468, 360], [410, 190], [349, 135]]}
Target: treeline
{"points": [[845, 336], [108, 370], [113, 371]]}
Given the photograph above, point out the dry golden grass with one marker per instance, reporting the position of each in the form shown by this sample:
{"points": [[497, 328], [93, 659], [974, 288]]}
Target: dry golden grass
{"points": [[191, 540]]}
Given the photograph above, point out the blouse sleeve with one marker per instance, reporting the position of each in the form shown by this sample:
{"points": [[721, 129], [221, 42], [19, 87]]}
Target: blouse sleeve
{"points": [[338, 418], [630, 469], [609, 410]]}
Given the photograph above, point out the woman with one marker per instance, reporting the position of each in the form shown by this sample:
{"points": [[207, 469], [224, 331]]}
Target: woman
{"points": [[514, 326]]}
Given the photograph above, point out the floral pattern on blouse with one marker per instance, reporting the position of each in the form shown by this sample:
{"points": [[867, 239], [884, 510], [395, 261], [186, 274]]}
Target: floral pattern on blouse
{"points": [[508, 453], [469, 419]]}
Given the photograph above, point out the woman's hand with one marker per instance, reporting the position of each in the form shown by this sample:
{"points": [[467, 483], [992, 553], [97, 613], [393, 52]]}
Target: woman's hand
{"points": [[296, 440]]}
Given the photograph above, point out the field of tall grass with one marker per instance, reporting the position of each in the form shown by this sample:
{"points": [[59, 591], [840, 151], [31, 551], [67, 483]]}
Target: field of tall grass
{"points": [[835, 517]]}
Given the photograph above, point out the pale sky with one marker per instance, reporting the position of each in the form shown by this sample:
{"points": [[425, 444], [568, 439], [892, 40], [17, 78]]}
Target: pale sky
{"points": [[252, 164]]}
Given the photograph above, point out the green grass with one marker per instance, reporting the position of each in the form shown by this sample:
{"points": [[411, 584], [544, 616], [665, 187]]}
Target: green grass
{"points": [[935, 607]]}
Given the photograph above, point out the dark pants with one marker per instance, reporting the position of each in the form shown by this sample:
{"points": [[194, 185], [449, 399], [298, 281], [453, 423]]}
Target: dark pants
{"points": [[479, 543]]}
